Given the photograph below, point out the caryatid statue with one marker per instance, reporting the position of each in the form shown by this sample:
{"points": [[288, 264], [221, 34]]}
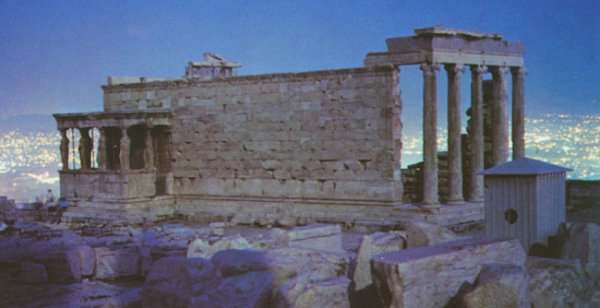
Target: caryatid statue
{"points": [[85, 148], [64, 149]]}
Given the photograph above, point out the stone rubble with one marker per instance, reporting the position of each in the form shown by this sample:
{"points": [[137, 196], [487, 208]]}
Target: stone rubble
{"points": [[307, 266]]}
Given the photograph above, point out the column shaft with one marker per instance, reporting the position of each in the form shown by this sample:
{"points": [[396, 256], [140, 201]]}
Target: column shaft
{"points": [[475, 192], [455, 193], [518, 112], [430, 164], [499, 116]]}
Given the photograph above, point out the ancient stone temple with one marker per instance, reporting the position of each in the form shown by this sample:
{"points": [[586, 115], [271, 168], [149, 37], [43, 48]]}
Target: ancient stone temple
{"points": [[320, 145]]}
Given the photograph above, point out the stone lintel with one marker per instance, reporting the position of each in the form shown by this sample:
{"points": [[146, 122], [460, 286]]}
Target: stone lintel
{"points": [[486, 45], [439, 30], [110, 119], [375, 59]]}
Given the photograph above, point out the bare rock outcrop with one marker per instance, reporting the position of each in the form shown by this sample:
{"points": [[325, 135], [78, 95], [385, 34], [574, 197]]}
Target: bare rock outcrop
{"points": [[560, 283], [431, 276], [583, 243], [497, 285]]}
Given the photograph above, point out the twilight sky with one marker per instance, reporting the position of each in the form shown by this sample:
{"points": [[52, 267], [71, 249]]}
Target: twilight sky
{"points": [[54, 55]]}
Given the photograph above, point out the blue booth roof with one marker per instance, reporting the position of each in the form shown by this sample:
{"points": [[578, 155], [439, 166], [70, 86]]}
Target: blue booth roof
{"points": [[524, 166]]}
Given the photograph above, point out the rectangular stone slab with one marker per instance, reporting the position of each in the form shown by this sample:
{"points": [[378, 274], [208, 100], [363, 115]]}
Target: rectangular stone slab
{"points": [[431, 276]]}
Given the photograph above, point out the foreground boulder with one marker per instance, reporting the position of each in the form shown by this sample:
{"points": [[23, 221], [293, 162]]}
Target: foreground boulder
{"points": [[174, 281], [420, 234], [62, 264], [431, 276], [307, 291], [32, 273], [122, 262], [288, 262], [371, 245], [583, 243], [560, 283], [233, 262], [252, 289], [498, 285]]}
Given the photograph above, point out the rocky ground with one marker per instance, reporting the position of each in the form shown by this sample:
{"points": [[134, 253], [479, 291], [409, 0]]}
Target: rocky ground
{"points": [[175, 263]]}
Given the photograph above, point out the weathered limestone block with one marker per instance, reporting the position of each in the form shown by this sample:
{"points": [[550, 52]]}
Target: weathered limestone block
{"points": [[306, 292], [111, 264], [274, 238], [583, 243], [174, 281], [201, 248], [252, 289], [317, 236], [146, 260], [288, 262], [233, 262], [424, 234], [431, 276], [62, 265], [32, 273], [87, 259], [498, 285], [560, 283], [370, 246]]}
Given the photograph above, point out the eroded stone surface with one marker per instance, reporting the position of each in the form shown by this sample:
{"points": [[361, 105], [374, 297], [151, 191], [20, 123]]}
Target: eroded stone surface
{"points": [[560, 283], [431, 276], [498, 285], [306, 291], [370, 246], [583, 243], [317, 236], [173, 281], [424, 234]]}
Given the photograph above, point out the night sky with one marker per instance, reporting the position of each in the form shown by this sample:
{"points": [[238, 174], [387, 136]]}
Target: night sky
{"points": [[54, 55]]}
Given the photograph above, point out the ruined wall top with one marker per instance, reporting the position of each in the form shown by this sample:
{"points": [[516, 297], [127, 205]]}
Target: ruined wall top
{"points": [[442, 45], [214, 65]]}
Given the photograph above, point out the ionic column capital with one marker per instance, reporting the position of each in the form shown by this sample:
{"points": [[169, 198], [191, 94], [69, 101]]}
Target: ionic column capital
{"points": [[455, 68], [429, 68], [518, 71], [479, 69], [498, 70]]}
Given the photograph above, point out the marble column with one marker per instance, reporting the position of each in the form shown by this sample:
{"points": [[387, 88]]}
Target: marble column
{"points": [[64, 149], [85, 148], [499, 116], [102, 149], [430, 164], [455, 192], [149, 149], [124, 148], [518, 112], [475, 190]]}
